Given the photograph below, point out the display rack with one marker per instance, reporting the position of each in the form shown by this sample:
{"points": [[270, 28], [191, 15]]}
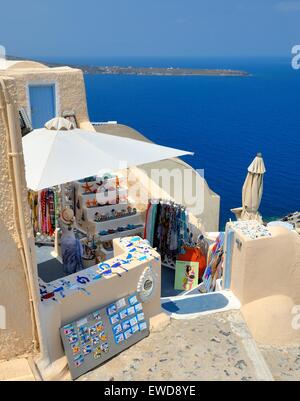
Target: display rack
{"points": [[118, 217]]}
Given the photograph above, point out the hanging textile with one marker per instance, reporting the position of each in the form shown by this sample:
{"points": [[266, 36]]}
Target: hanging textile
{"points": [[214, 268], [166, 229], [33, 200], [44, 206]]}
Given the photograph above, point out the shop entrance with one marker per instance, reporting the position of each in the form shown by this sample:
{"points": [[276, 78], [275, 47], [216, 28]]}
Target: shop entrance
{"points": [[100, 211]]}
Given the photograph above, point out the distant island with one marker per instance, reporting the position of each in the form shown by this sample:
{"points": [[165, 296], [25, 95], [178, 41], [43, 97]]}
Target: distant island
{"points": [[170, 71], [150, 71]]}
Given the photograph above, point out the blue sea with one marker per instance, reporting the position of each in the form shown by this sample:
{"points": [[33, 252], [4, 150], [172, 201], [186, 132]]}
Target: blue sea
{"points": [[224, 120]]}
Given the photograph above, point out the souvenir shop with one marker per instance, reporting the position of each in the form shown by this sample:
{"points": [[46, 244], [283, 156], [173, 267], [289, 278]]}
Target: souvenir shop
{"points": [[78, 221]]}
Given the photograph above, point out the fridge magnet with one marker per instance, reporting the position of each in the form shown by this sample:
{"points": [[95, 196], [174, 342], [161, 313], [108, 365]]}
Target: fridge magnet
{"points": [[143, 326], [111, 309], [87, 349], [73, 339], [135, 328], [130, 311], [96, 315], [93, 331], [84, 330], [117, 329], [82, 322], [79, 360], [86, 339], [133, 321], [97, 353], [133, 300], [96, 341], [123, 314], [138, 307], [75, 349], [69, 330], [128, 334], [114, 319], [104, 347], [126, 325], [119, 338], [103, 336], [99, 326], [121, 303], [140, 317]]}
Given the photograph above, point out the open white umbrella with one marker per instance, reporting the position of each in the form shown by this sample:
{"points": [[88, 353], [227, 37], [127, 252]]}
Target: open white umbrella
{"points": [[253, 189], [54, 157]]}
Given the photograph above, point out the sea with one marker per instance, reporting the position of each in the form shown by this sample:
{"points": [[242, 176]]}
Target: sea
{"points": [[225, 121]]}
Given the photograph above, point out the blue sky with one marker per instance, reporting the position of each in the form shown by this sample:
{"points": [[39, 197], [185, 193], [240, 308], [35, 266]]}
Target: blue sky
{"points": [[63, 28]]}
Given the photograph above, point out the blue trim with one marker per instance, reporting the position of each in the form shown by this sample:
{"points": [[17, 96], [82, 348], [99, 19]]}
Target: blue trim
{"points": [[228, 258]]}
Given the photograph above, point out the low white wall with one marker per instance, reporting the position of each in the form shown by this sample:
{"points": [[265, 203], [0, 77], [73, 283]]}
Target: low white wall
{"points": [[76, 304], [265, 276]]}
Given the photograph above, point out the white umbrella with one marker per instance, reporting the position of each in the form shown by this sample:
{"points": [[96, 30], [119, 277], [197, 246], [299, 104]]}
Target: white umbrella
{"points": [[54, 157], [253, 189]]}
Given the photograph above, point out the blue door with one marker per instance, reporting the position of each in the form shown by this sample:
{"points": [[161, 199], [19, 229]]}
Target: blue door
{"points": [[42, 104]]}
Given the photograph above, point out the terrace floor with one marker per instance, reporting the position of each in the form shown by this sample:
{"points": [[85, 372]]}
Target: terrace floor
{"points": [[214, 347]]}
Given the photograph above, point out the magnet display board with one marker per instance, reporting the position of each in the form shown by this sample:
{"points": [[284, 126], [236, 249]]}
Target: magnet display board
{"points": [[104, 333]]}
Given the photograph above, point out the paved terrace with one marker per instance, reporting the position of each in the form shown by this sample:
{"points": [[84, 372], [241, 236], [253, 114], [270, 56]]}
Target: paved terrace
{"points": [[213, 347]]}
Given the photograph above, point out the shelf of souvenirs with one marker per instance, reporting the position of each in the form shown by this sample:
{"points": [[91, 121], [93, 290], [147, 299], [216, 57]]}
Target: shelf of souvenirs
{"points": [[107, 217], [92, 201], [92, 185], [117, 232], [100, 185], [114, 223], [110, 212], [123, 231]]}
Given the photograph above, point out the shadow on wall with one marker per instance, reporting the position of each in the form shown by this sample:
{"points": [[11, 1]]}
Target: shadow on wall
{"points": [[17, 338]]}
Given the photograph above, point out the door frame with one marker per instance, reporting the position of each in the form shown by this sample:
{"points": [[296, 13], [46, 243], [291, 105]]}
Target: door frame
{"points": [[228, 249], [57, 106]]}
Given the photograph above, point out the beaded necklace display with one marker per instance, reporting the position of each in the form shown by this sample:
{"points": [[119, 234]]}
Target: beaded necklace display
{"points": [[45, 210]]}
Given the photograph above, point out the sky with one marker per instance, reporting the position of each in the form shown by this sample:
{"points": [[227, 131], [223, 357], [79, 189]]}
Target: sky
{"points": [[180, 28]]}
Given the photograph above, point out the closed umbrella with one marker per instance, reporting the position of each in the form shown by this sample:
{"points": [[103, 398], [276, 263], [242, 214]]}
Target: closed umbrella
{"points": [[56, 156], [253, 189]]}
